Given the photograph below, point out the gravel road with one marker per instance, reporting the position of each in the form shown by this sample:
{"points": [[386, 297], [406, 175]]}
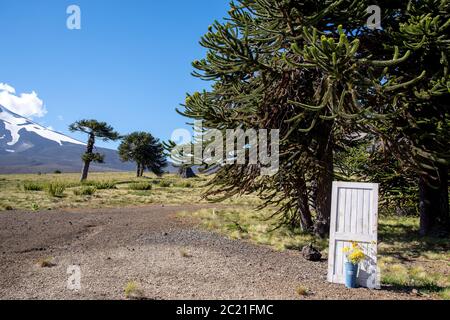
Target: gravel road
{"points": [[168, 257]]}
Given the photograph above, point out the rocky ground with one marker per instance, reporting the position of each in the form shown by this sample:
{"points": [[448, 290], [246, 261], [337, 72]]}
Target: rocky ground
{"points": [[168, 258]]}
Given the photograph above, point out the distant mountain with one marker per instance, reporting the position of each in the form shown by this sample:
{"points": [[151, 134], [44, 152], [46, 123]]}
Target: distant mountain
{"points": [[27, 147]]}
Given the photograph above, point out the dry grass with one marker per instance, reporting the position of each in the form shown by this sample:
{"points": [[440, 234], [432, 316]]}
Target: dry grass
{"points": [[185, 254], [112, 190], [302, 291], [133, 291], [22, 192], [45, 263], [240, 223]]}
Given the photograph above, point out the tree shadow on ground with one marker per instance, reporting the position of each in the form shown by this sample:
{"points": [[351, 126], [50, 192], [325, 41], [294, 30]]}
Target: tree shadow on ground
{"points": [[419, 289], [404, 241]]}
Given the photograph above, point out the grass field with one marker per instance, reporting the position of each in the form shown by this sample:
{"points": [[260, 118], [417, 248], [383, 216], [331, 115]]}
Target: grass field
{"points": [[408, 262], [102, 190]]}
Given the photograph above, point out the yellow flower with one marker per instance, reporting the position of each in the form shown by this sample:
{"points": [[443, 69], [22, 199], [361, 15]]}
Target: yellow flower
{"points": [[346, 250], [356, 256]]}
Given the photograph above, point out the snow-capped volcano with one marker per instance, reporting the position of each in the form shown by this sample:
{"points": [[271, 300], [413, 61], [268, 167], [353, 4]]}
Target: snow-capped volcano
{"points": [[28, 147], [15, 126]]}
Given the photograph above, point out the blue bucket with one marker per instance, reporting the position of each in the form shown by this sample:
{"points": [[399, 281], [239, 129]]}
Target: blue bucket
{"points": [[351, 273]]}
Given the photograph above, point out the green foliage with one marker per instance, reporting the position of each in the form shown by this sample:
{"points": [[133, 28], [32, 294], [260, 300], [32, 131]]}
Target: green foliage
{"points": [[145, 150], [312, 71], [365, 160], [101, 185], [165, 184], [56, 189], [32, 186], [95, 128], [140, 186], [133, 291], [85, 191], [184, 184], [93, 157]]}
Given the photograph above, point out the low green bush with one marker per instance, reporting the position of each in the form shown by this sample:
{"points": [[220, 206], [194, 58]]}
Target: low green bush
{"points": [[32, 186], [140, 186], [185, 184], [56, 189], [101, 185], [85, 191], [165, 184]]}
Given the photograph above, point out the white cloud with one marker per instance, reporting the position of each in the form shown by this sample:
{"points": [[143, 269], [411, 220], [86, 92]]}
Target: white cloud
{"points": [[25, 104], [6, 87]]}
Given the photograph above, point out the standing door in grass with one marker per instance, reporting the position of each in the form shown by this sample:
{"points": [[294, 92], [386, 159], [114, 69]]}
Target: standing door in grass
{"points": [[354, 217]]}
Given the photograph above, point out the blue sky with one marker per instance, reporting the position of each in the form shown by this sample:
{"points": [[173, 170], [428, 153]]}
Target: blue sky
{"points": [[129, 65]]}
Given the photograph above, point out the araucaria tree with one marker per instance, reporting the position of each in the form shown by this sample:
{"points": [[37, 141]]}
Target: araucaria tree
{"points": [[94, 129], [145, 150], [315, 71]]}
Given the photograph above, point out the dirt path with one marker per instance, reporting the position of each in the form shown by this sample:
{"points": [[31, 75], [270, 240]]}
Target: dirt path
{"points": [[168, 257]]}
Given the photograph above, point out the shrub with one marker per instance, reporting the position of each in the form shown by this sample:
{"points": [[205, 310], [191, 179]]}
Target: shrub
{"points": [[140, 186], [184, 185], [165, 184], [34, 207], [85, 191], [57, 172], [302, 291], [56, 189], [32, 186], [101, 185], [46, 263], [140, 193], [185, 254], [132, 291]]}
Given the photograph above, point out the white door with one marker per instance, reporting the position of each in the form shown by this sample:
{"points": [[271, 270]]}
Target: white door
{"points": [[354, 217]]}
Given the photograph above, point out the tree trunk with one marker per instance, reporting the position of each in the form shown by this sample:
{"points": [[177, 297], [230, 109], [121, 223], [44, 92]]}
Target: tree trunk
{"points": [[186, 172], [85, 170], [141, 173], [303, 206], [324, 182], [434, 207], [138, 170], [88, 157]]}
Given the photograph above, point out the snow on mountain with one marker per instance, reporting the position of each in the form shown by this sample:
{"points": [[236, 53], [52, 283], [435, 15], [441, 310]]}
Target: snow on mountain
{"points": [[17, 125], [28, 147]]}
